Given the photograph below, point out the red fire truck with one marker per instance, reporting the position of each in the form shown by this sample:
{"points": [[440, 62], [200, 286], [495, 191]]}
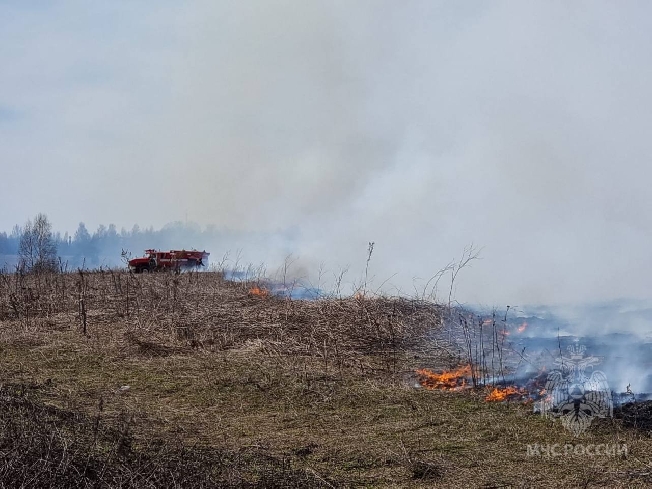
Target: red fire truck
{"points": [[175, 260]]}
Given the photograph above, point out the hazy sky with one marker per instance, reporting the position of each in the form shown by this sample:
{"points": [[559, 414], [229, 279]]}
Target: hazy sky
{"points": [[523, 127]]}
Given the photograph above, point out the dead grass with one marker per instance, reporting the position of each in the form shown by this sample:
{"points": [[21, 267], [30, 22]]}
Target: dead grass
{"points": [[222, 388]]}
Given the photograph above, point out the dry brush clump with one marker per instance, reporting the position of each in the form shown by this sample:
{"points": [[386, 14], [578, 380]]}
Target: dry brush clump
{"points": [[164, 312], [42, 446]]}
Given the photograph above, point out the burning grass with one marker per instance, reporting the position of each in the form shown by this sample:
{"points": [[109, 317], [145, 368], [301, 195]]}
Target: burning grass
{"points": [[506, 393], [191, 380], [460, 379], [257, 291], [448, 380]]}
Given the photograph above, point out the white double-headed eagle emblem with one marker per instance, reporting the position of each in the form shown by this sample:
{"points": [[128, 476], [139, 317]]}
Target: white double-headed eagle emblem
{"points": [[575, 397]]}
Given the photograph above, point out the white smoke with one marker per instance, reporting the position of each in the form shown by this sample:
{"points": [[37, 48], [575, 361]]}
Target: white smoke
{"points": [[423, 127]]}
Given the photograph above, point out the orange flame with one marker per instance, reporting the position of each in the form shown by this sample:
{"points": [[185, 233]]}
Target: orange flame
{"points": [[454, 379], [259, 291], [504, 393], [522, 327]]}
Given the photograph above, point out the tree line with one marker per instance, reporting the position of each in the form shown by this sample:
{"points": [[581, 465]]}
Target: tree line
{"points": [[34, 246]]}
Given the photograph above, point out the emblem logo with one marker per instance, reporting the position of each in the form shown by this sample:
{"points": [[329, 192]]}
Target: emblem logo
{"points": [[572, 395]]}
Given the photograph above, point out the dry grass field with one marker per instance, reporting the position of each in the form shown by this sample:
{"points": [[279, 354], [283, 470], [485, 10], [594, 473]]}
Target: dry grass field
{"points": [[109, 379]]}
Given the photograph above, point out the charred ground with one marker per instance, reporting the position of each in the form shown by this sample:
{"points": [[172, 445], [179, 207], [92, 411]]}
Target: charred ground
{"points": [[161, 380]]}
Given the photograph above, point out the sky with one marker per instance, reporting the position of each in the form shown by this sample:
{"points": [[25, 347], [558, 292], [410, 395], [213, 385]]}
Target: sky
{"points": [[423, 126]]}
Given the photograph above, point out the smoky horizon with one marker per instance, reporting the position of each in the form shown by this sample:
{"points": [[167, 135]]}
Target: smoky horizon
{"points": [[312, 129]]}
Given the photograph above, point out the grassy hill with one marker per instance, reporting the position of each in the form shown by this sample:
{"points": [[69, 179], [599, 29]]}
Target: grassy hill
{"points": [[111, 379]]}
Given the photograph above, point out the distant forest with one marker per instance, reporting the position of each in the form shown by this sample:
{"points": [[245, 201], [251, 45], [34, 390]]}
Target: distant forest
{"points": [[103, 247]]}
